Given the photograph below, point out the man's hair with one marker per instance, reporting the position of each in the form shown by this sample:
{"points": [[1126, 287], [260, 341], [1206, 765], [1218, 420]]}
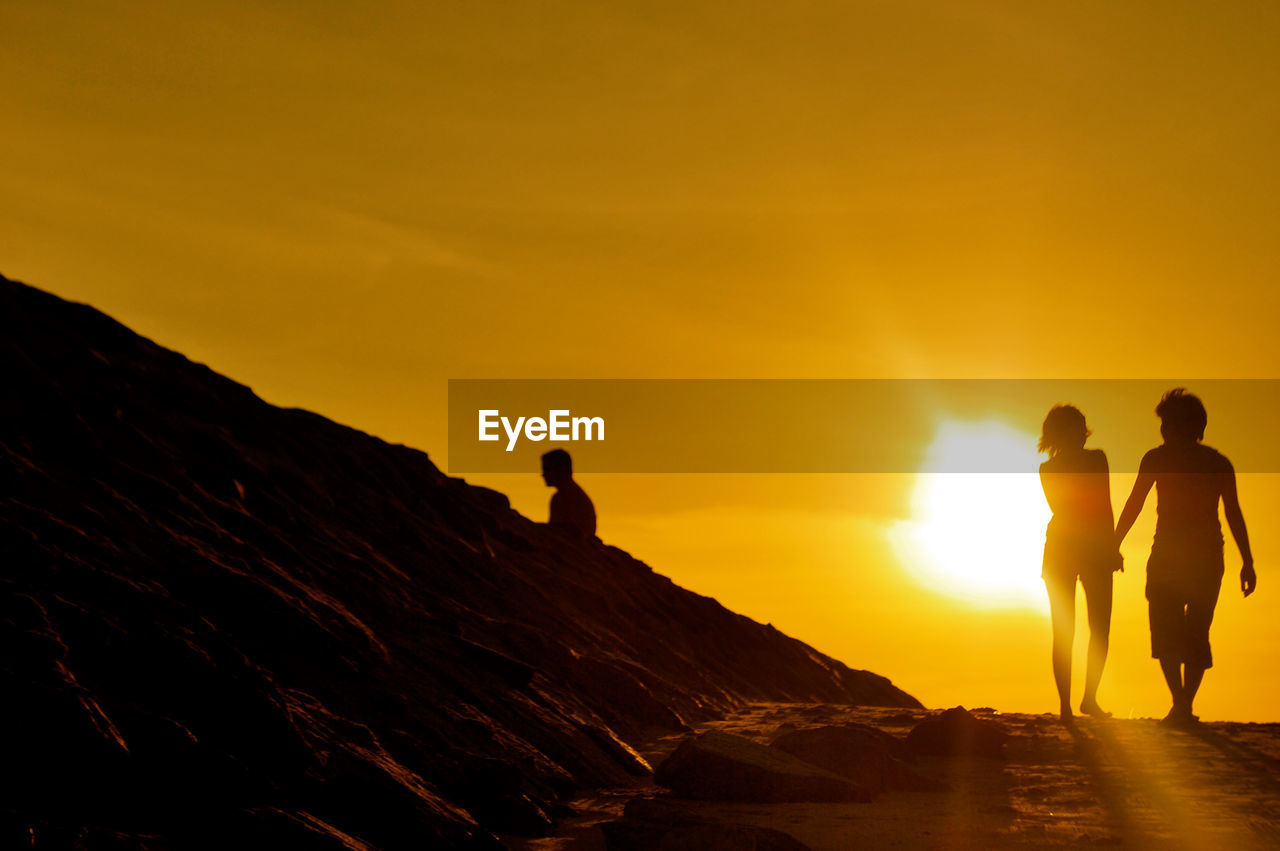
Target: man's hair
{"points": [[1182, 414], [557, 461], [1063, 428]]}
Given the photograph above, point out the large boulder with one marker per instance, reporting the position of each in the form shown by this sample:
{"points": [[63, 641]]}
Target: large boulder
{"points": [[653, 824], [958, 733], [863, 754], [716, 766]]}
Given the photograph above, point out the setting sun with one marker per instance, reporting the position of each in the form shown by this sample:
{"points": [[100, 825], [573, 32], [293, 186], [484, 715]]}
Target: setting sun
{"points": [[978, 536]]}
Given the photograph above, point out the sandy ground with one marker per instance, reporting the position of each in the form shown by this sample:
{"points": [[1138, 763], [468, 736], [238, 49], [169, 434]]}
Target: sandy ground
{"points": [[1127, 783]]}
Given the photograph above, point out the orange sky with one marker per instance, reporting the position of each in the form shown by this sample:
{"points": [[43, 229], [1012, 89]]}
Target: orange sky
{"points": [[344, 206]]}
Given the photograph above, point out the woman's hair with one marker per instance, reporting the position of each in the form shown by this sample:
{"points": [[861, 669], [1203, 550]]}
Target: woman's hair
{"points": [[1182, 414], [1063, 428]]}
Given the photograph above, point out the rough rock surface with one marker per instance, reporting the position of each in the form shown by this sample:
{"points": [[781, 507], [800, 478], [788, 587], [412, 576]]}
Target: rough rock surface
{"points": [[650, 824], [859, 752], [245, 626], [958, 733], [716, 766]]}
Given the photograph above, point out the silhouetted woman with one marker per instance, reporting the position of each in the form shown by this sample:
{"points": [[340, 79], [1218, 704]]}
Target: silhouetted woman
{"points": [[1079, 544]]}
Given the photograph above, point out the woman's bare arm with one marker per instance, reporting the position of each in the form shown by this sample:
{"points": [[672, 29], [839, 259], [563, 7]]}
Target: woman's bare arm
{"points": [[1106, 486]]}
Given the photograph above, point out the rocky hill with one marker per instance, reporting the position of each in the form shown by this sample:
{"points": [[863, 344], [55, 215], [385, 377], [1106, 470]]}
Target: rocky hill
{"points": [[227, 624]]}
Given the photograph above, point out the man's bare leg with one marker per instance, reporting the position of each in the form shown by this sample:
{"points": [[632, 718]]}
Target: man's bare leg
{"points": [[1192, 678], [1172, 670]]}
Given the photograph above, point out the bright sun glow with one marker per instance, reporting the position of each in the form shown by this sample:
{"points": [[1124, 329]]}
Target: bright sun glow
{"points": [[978, 536]]}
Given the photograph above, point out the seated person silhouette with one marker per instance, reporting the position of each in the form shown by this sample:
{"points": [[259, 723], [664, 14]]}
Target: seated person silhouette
{"points": [[1184, 573], [571, 508]]}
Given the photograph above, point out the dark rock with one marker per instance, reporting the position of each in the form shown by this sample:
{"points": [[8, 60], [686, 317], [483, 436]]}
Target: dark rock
{"points": [[629, 705], [649, 824], [512, 672], [957, 733], [851, 734], [213, 607], [782, 729], [718, 766], [850, 751], [863, 754]]}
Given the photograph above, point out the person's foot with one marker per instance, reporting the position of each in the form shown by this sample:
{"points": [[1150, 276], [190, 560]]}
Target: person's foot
{"points": [[1065, 716], [1180, 716], [1091, 707]]}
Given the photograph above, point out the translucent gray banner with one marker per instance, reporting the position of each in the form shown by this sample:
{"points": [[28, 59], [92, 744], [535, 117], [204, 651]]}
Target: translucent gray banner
{"points": [[832, 426]]}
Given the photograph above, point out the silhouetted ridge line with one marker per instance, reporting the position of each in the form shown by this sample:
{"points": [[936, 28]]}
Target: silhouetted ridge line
{"points": [[243, 625]]}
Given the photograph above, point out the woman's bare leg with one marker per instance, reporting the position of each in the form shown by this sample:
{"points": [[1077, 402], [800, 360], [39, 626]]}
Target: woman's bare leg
{"points": [[1062, 610], [1097, 595]]}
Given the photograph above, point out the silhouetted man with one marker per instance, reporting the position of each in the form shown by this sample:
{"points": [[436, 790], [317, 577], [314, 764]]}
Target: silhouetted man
{"points": [[571, 508], [1184, 573]]}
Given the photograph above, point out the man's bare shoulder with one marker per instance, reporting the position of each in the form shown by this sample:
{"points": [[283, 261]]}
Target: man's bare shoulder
{"points": [[1154, 459], [1216, 459]]}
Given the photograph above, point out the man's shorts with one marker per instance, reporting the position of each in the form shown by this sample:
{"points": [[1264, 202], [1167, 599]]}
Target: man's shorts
{"points": [[1182, 592]]}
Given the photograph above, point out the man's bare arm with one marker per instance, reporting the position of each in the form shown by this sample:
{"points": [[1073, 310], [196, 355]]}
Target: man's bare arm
{"points": [[1133, 506], [1235, 521]]}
